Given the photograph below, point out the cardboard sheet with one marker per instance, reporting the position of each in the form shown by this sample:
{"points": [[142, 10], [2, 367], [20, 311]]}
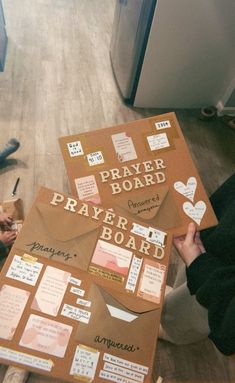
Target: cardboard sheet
{"points": [[81, 293], [142, 169]]}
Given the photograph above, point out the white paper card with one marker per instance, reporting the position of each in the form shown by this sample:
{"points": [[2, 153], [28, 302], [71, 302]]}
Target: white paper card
{"points": [[124, 147], [23, 271], [84, 363], [75, 281], [125, 363], [156, 236], [77, 291], [162, 124], [133, 273], [75, 148], [25, 359], [124, 372], [76, 313], [115, 378], [83, 302], [140, 230], [158, 141], [95, 158]]}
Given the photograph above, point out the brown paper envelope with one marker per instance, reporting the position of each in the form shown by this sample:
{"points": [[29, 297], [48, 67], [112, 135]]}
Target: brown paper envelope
{"points": [[59, 235], [155, 207], [137, 337]]}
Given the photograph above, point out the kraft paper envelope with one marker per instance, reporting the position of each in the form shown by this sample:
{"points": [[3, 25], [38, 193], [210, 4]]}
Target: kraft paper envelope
{"points": [[56, 234], [163, 212], [136, 166], [103, 324]]}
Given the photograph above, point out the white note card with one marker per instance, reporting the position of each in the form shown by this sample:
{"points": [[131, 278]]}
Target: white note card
{"points": [[23, 271]]}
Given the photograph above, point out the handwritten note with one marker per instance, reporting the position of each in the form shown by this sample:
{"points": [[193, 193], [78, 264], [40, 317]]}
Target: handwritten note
{"points": [[23, 271], [51, 291], [12, 304], [84, 363], [151, 281], [25, 359], [76, 313], [158, 141], [134, 273], [46, 335]]}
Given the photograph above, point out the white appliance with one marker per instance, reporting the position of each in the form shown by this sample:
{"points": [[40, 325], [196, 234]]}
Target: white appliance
{"points": [[173, 53]]}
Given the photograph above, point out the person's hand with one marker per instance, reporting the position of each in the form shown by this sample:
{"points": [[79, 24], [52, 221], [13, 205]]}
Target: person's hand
{"points": [[8, 237], [189, 246], [5, 219]]}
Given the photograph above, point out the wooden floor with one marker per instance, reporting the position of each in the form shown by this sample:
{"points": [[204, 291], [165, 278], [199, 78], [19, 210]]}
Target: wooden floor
{"points": [[58, 81]]}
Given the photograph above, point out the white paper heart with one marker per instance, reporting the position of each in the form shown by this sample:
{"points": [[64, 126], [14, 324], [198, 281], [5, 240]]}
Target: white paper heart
{"points": [[196, 212], [187, 190]]}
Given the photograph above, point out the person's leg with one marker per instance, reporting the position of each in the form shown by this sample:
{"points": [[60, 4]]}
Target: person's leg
{"points": [[11, 146], [183, 319]]}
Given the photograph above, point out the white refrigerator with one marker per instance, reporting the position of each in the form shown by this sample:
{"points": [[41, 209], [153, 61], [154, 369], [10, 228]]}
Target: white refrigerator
{"points": [[173, 53]]}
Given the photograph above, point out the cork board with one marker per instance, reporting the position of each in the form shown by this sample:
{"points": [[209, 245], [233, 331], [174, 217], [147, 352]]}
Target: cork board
{"points": [[142, 169]]}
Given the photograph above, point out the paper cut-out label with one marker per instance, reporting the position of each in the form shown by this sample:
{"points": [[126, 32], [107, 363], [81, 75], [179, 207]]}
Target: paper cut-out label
{"points": [[196, 212], [187, 190]]}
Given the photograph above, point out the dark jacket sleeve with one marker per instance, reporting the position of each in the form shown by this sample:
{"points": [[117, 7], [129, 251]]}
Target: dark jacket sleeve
{"points": [[3, 250], [213, 283], [200, 269]]}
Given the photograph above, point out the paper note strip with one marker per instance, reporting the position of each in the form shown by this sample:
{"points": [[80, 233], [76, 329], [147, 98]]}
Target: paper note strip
{"points": [[51, 291], [140, 230], [25, 359], [158, 141], [124, 372], [84, 363], [12, 305], [95, 158], [125, 363], [76, 313], [75, 148], [156, 236], [46, 335], [133, 273], [115, 378], [25, 272], [83, 302], [162, 124], [77, 291], [75, 281]]}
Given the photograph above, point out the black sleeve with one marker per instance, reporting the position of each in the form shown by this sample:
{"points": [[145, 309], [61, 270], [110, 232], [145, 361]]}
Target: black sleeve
{"points": [[200, 269], [213, 283], [3, 249]]}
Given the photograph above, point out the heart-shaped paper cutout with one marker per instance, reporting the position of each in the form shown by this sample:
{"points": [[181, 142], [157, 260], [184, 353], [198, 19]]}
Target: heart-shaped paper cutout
{"points": [[187, 190], [196, 212]]}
